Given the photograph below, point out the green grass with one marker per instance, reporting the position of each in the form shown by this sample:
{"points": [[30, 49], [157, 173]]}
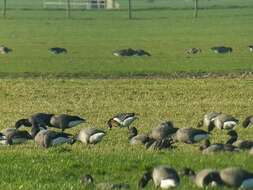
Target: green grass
{"points": [[183, 101], [92, 36]]}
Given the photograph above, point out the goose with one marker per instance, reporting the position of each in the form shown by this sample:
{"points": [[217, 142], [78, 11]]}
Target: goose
{"points": [[166, 129], [88, 180], [208, 118], [11, 136], [4, 49], [237, 178], [166, 143], [223, 121], [190, 135], [122, 120], [131, 52], [38, 120], [57, 50], [134, 138], [248, 121], [241, 144], [208, 148], [164, 177], [191, 51], [222, 49], [205, 177], [64, 121], [250, 48], [90, 135], [48, 138]]}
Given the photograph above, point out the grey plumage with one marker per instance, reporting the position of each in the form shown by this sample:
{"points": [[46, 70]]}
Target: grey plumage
{"points": [[90, 135], [208, 118], [223, 121], [122, 120], [135, 138], [209, 148], [241, 144], [12, 136], [166, 129]]}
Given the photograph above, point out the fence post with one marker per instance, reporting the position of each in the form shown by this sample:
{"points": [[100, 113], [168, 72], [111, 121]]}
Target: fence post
{"points": [[68, 8], [4, 9], [129, 9], [196, 7]]}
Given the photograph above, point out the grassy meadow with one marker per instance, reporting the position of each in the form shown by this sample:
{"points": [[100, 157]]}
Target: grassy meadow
{"points": [[184, 101]]}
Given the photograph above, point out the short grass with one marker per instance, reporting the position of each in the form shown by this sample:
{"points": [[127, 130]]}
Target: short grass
{"points": [[92, 36], [183, 101]]}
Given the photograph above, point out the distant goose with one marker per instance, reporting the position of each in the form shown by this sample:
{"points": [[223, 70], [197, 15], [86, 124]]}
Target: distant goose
{"points": [[135, 138], [122, 120], [223, 121], [205, 177], [208, 118], [12, 136], [237, 178], [241, 144], [4, 49], [164, 177], [166, 129], [64, 121], [221, 49], [90, 135], [248, 121], [190, 135], [131, 52], [88, 180], [37, 120], [191, 51], [208, 148], [250, 48], [48, 138], [57, 50]]}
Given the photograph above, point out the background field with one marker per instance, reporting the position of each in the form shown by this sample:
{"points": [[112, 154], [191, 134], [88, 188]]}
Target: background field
{"points": [[114, 160], [92, 36]]}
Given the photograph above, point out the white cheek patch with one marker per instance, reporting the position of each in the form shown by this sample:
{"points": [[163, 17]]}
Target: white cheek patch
{"points": [[96, 137], [247, 184], [229, 124], [18, 140], [200, 137], [74, 123], [168, 183], [128, 121], [118, 120], [60, 140]]}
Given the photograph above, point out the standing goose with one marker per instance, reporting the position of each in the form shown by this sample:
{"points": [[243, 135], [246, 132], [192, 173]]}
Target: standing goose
{"points": [[237, 178], [208, 118], [166, 129], [12, 136], [248, 121], [90, 135], [134, 138], [208, 148], [223, 121], [122, 120], [64, 121], [205, 177], [38, 120], [164, 177], [241, 144], [48, 138], [190, 135]]}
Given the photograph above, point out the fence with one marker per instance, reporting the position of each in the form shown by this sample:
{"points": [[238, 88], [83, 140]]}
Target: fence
{"points": [[79, 8]]}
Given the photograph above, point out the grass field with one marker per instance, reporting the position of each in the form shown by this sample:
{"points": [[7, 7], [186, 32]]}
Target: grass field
{"points": [[183, 101], [92, 36]]}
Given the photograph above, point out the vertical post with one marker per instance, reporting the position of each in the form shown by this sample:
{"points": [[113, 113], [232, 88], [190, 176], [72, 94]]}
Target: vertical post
{"points": [[196, 7], [4, 9], [68, 8], [129, 9]]}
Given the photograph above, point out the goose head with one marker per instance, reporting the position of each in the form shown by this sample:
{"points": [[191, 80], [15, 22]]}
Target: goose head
{"points": [[24, 122], [233, 137], [145, 179], [132, 132], [211, 126]]}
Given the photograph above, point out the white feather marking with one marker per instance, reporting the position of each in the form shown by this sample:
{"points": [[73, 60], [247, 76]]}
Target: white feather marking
{"points": [[74, 123], [167, 183], [96, 138], [128, 121], [18, 140], [3, 142], [200, 137], [60, 140], [118, 120], [213, 184], [247, 184], [229, 124]]}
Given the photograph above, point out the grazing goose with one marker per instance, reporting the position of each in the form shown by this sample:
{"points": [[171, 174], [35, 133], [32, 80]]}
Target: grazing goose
{"points": [[37, 120], [4, 49], [191, 51], [237, 178], [190, 135], [222, 49], [164, 177], [223, 121], [90, 135], [131, 52], [88, 180], [12, 136], [165, 143], [134, 138], [208, 148], [248, 121], [48, 138], [250, 48], [241, 144], [205, 177], [122, 120], [64, 121], [57, 50], [208, 118], [166, 129]]}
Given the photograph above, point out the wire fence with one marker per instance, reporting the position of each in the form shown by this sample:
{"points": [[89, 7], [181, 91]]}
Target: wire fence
{"points": [[22, 8]]}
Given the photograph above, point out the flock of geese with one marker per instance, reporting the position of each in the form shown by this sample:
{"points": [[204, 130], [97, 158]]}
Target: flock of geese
{"points": [[165, 136]]}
